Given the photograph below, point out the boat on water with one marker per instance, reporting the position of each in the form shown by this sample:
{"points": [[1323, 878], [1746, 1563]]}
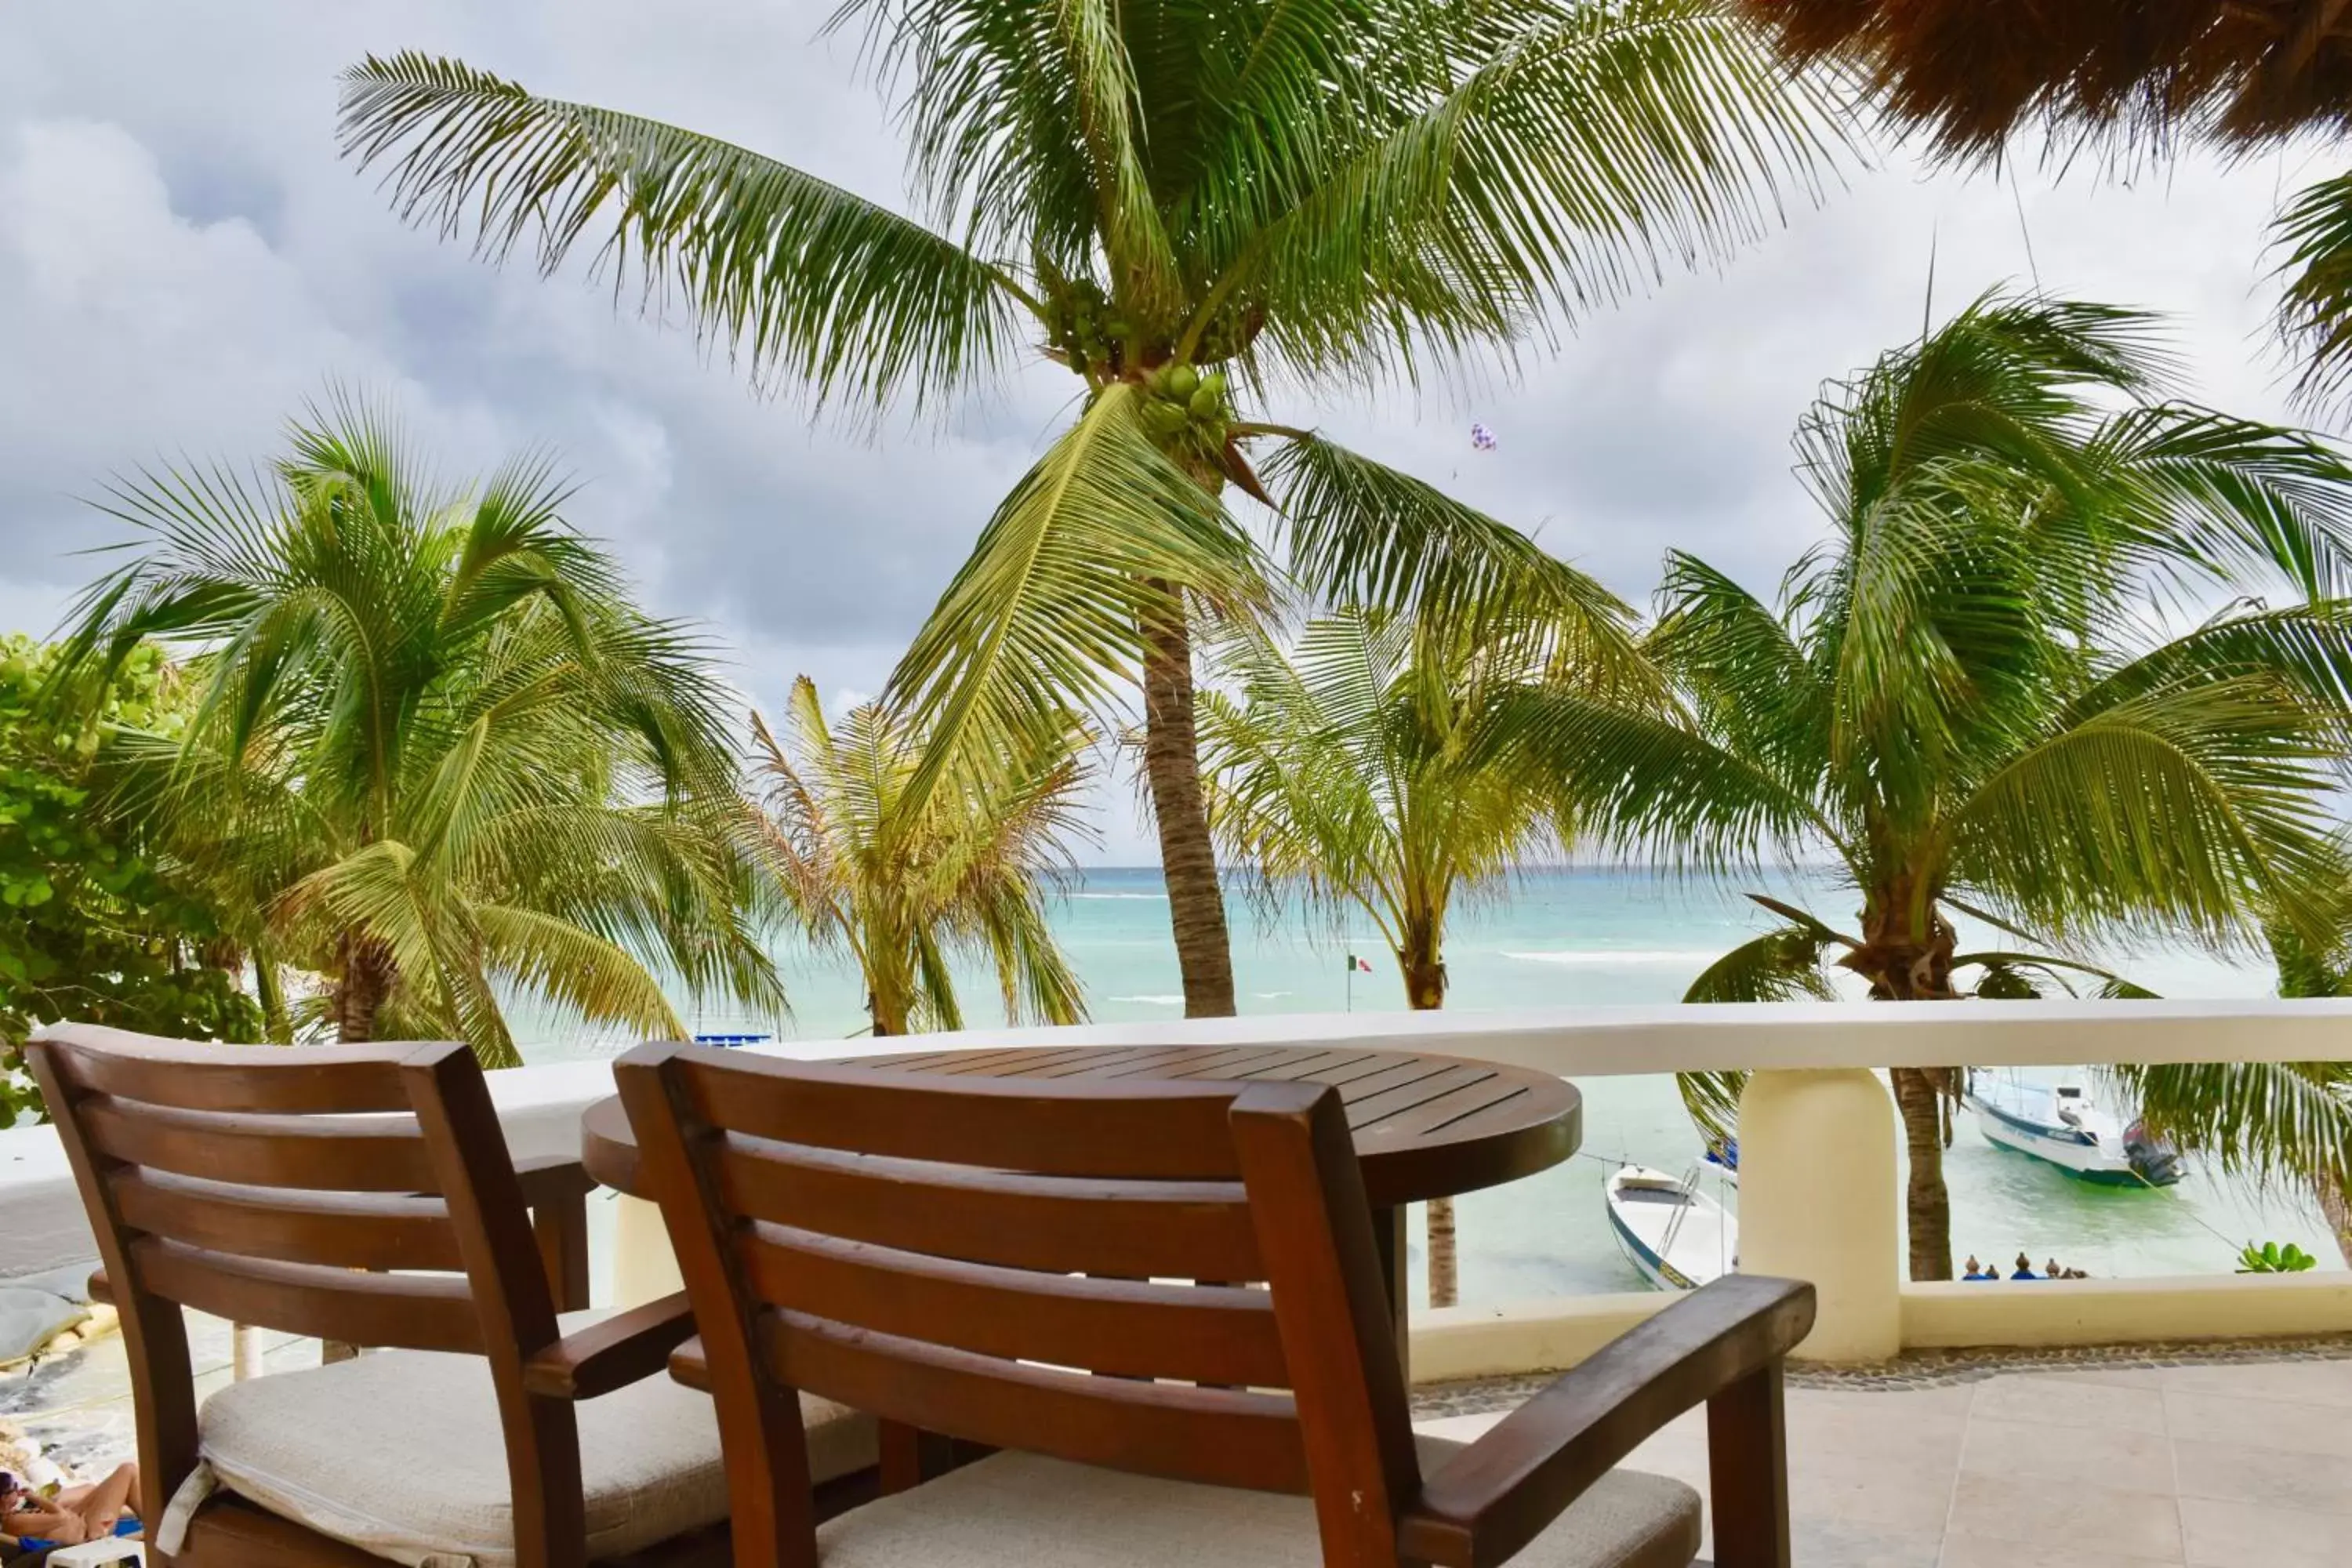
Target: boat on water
{"points": [[2064, 1127], [1678, 1237], [1723, 1159]]}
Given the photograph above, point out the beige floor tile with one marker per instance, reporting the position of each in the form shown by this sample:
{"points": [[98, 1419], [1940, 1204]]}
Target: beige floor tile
{"points": [[2063, 1456], [2258, 1423], [2066, 1550], [1881, 1490], [1819, 1543], [2244, 1535], [2232, 1472], [2112, 1523], [2297, 1382], [2053, 1402], [1893, 1429], [1911, 1408]]}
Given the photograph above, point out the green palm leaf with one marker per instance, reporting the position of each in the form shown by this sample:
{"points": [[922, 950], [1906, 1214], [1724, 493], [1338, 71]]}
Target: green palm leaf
{"points": [[1104, 536], [2273, 1120], [2315, 309], [1361, 532], [809, 283]]}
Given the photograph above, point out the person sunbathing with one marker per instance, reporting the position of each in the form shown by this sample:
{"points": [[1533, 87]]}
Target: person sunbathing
{"points": [[90, 1512]]}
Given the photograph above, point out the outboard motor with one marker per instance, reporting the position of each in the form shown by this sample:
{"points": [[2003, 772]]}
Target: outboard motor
{"points": [[2155, 1160]]}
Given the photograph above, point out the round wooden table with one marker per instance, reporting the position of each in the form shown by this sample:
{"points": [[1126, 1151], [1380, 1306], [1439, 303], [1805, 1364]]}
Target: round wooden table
{"points": [[1426, 1126]]}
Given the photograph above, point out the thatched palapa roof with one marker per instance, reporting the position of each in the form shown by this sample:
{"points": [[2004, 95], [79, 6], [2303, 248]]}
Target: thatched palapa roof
{"points": [[2144, 71]]}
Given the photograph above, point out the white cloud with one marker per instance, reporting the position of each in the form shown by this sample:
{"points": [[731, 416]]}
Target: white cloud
{"points": [[183, 258]]}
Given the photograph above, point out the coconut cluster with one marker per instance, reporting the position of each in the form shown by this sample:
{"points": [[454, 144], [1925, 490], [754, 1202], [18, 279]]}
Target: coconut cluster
{"points": [[1185, 407], [1086, 329]]}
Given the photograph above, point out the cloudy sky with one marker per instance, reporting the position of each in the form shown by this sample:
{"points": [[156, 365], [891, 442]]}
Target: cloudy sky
{"points": [[183, 259]]}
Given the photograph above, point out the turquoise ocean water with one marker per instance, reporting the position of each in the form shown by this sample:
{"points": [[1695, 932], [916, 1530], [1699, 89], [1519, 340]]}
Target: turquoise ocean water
{"points": [[1567, 938]]}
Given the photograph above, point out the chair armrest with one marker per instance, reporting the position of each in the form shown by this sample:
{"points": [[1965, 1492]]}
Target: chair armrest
{"points": [[1724, 1344], [622, 1350], [555, 1187], [689, 1366], [551, 1178]]}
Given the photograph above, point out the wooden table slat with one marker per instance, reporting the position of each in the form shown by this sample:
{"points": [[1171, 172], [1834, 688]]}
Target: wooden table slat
{"points": [[1374, 1109], [1437, 1115], [1394, 1073], [1327, 1070]]}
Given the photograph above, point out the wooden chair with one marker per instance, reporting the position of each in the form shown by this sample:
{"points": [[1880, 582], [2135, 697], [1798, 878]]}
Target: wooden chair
{"points": [[1147, 1293], [364, 1194]]}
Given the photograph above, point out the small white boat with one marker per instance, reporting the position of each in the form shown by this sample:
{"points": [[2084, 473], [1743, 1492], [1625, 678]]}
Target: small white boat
{"points": [[2063, 1127], [1676, 1236]]}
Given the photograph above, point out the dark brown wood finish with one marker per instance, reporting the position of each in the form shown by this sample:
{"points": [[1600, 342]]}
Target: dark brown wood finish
{"points": [[1422, 1126], [283, 1187], [781, 1183]]}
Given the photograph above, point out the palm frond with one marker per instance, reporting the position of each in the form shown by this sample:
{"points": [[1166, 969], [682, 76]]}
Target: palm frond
{"points": [[1711, 1100], [1359, 532], [2273, 1120], [2185, 807], [2314, 307], [1639, 781], [809, 284], [1103, 537], [2233, 502], [1782, 965]]}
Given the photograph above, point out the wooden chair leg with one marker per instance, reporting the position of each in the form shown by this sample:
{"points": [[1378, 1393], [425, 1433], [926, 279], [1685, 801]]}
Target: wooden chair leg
{"points": [[561, 1226], [911, 1456], [1748, 1468]]}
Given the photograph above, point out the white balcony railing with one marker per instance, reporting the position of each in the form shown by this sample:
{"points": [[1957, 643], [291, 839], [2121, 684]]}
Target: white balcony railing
{"points": [[1819, 1184]]}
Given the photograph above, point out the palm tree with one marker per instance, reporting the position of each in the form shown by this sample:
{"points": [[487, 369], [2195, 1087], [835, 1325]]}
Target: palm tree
{"points": [[903, 897], [1974, 695], [1368, 768], [1188, 205], [436, 747]]}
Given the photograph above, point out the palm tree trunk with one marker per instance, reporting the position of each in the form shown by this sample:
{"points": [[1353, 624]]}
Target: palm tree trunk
{"points": [[1425, 991], [1929, 1202], [366, 981], [1905, 964], [2335, 1203], [1172, 764]]}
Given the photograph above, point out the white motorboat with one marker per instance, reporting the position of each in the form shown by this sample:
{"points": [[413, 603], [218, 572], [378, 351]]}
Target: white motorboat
{"points": [[1676, 1234], [2064, 1127]]}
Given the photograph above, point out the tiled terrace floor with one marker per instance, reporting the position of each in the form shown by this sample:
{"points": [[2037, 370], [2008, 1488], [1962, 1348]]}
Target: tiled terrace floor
{"points": [[2239, 1466]]}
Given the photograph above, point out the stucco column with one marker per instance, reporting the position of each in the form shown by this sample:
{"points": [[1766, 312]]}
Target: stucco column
{"points": [[644, 1267], [1818, 1196]]}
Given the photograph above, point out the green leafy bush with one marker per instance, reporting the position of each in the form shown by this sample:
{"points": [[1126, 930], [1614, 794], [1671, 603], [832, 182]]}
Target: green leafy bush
{"points": [[91, 927], [2270, 1258]]}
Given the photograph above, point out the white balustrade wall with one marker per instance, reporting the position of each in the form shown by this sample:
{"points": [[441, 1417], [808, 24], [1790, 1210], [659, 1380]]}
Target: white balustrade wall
{"points": [[1818, 1196]]}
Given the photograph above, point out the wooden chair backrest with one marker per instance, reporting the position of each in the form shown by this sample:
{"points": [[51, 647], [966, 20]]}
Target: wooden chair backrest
{"points": [[361, 1194], [1174, 1279]]}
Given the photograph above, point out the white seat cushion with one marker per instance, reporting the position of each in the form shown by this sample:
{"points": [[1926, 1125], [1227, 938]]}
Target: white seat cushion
{"points": [[401, 1453], [1020, 1511]]}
